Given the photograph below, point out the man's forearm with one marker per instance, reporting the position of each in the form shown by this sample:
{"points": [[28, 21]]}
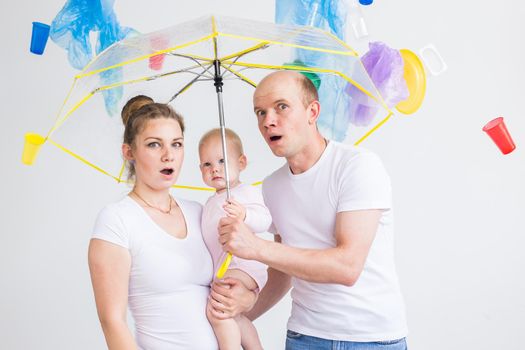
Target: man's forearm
{"points": [[332, 265], [277, 286]]}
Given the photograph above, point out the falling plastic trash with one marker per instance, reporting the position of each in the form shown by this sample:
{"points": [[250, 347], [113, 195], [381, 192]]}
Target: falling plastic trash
{"points": [[71, 28], [357, 20], [329, 15], [386, 68], [32, 145], [156, 62], [433, 60], [498, 132], [39, 37]]}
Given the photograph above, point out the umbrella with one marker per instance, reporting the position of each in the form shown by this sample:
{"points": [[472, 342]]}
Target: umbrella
{"points": [[211, 49]]}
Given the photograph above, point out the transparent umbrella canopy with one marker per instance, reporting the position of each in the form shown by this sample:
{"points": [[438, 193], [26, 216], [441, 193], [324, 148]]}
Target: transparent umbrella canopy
{"points": [[211, 50]]}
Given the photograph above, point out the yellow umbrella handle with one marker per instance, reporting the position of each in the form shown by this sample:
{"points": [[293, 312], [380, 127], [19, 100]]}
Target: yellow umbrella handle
{"points": [[224, 266]]}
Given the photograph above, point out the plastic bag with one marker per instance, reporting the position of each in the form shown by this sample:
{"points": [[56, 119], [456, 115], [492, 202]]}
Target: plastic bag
{"points": [[328, 15], [385, 67], [71, 29]]}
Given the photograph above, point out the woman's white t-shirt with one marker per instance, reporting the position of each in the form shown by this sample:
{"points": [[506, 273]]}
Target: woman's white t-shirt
{"points": [[169, 278]]}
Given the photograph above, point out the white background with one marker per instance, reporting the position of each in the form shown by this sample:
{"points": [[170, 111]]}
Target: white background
{"points": [[458, 200]]}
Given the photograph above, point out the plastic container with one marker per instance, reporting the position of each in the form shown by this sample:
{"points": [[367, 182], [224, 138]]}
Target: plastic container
{"points": [[498, 132], [32, 145], [39, 38]]}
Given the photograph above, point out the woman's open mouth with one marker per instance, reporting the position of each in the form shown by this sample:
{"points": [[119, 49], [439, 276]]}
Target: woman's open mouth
{"points": [[275, 138]]}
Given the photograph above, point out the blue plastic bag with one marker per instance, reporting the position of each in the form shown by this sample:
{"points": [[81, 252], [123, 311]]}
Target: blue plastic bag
{"points": [[328, 15], [71, 28]]}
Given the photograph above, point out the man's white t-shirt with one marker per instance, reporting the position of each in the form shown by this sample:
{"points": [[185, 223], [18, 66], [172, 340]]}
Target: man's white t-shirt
{"points": [[169, 278], [304, 208]]}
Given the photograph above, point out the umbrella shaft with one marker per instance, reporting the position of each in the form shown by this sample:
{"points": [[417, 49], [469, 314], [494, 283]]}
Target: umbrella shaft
{"points": [[223, 141], [218, 86]]}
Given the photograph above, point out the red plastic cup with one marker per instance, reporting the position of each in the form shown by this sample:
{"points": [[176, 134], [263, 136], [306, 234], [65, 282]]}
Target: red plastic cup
{"points": [[498, 132], [156, 62]]}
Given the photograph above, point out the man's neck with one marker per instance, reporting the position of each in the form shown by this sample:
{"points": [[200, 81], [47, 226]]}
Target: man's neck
{"points": [[307, 158]]}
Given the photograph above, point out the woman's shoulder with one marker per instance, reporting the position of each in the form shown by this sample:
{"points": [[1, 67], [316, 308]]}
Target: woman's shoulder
{"points": [[117, 208], [189, 205]]}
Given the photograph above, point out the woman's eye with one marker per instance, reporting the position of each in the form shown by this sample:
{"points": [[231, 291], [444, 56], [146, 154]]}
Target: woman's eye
{"points": [[177, 144], [153, 144]]}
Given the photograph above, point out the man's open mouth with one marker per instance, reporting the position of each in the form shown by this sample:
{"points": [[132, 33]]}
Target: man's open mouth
{"points": [[167, 171], [275, 138]]}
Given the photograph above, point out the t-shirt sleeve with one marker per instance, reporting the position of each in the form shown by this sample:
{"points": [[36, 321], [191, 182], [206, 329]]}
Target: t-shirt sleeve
{"points": [[264, 189], [258, 216], [364, 184], [109, 226]]}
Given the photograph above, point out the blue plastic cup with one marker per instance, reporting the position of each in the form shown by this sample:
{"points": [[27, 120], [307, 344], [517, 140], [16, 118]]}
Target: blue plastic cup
{"points": [[39, 37]]}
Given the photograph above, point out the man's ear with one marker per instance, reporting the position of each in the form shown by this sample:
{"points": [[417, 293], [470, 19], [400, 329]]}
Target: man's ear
{"points": [[127, 152], [243, 162], [314, 110]]}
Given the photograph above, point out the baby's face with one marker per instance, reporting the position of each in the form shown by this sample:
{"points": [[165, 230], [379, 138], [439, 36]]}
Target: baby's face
{"points": [[212, 163]]}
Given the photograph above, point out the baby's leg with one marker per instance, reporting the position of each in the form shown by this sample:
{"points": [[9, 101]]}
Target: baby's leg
{"points": [[249, 337], [227, 332]]}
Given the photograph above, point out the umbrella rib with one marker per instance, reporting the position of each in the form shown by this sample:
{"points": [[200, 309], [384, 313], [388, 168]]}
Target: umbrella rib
{"points": [[185, 87], [195, 60], [240, 76], [238, 55], [111, 86]]}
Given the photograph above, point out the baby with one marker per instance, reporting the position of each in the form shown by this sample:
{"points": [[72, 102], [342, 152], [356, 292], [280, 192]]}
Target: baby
{"points": [[246, 203]]}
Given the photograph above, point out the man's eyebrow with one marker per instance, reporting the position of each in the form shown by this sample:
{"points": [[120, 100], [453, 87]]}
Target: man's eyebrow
{"points": [[255, 108]]}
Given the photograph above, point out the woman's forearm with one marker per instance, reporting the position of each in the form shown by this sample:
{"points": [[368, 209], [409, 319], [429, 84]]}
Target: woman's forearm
{"points": [[118, 335]]}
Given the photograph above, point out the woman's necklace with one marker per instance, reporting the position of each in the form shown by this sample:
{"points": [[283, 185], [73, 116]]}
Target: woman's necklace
{"points": [[151, 206]]}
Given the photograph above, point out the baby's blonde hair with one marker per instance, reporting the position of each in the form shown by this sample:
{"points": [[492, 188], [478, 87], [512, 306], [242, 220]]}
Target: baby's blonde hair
{"points": [[231, 137]]}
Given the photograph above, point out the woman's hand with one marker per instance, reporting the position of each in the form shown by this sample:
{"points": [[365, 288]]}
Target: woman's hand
{"points": [[229, 298]]}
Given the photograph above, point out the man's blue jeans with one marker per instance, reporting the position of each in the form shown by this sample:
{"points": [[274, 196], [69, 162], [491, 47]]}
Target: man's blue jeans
{"points": [[297, 341]]}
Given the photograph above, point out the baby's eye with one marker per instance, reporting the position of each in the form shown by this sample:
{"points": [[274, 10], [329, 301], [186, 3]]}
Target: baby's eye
{"points": [[206, 164], [221, 161]]}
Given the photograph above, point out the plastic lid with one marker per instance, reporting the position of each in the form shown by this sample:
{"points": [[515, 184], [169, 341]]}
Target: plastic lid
{"points": [[416, 80]]}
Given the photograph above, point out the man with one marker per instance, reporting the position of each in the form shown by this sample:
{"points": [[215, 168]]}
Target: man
{"points": [[331, 208]]}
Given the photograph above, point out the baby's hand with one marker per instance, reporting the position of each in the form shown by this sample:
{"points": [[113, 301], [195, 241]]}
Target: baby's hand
{"points": [[235, 209]]}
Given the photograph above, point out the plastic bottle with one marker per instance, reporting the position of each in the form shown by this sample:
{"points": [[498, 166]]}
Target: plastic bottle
{"points": [[357, 20]]}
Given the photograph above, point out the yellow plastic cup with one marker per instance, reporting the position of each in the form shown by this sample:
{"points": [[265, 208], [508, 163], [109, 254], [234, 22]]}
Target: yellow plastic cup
{"points": [[31, 147]]}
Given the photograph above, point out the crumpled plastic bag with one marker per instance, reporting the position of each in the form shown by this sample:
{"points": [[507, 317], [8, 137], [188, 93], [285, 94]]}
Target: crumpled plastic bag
{"points": [[328, 15], [385, 67], [71, 28]]}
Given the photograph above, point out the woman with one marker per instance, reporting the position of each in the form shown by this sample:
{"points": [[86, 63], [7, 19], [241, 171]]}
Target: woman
{"points": [[147, 250]]}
